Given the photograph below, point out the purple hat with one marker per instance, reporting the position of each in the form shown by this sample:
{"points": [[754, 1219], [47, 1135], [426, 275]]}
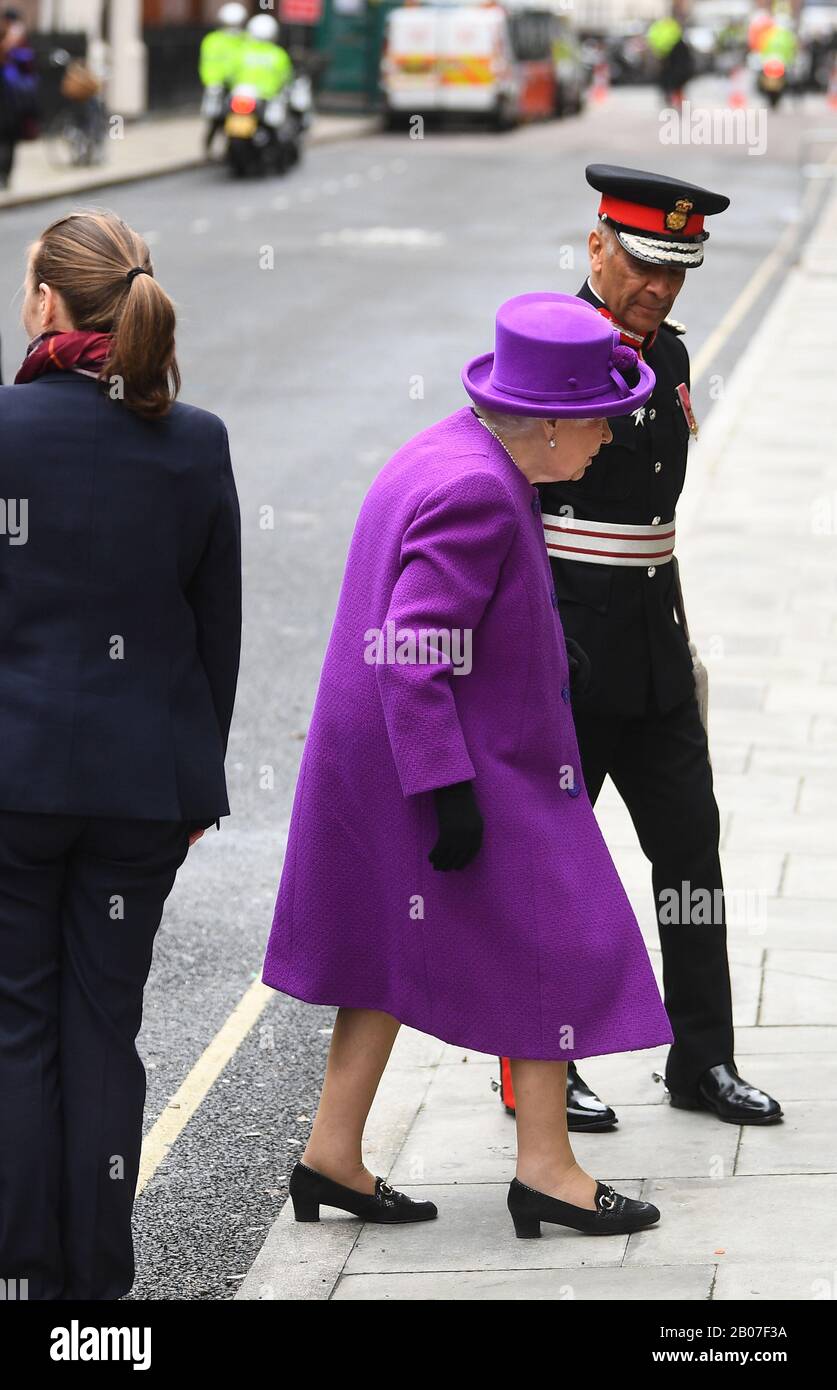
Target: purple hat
{"points": [[556, 356]]}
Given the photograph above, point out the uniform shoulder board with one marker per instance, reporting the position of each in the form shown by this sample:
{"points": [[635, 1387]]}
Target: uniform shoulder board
{"points": [[675, 325]]}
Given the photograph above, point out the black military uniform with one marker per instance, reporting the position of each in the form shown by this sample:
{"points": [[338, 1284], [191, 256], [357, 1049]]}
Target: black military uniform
{"points": [[623, 616], [638, 721]]}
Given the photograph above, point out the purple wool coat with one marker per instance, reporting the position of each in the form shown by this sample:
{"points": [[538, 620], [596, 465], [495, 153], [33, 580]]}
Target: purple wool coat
{"points": [[533, 949]]}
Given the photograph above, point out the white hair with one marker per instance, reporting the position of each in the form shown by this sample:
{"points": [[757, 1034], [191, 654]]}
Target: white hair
{"points": [[610, 240], [513, 426], [504, 424]]}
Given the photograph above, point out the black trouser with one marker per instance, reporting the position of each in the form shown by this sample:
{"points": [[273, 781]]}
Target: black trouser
{"points": [[660, 766], [80, 903]]}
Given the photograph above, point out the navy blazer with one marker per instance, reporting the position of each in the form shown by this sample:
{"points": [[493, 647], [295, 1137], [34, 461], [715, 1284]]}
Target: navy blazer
{"points": [[120, 605]]}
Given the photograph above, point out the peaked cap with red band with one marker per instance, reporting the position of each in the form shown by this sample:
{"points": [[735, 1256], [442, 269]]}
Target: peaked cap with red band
{"points": [[655, 218]]}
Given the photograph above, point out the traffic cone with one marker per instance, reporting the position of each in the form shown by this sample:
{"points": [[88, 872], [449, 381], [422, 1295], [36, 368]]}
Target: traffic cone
{"points": [[600, 89], [737, 88], [831, 96]]}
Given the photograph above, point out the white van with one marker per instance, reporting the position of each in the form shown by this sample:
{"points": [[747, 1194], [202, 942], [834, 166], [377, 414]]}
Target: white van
{"points": [[458, 60]]}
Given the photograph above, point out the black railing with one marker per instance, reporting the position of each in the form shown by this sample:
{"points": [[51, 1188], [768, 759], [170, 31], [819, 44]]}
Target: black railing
{"points": [[173, 80]]}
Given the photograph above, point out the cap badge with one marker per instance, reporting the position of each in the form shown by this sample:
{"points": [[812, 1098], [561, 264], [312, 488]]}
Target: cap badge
{"points": [[679, 216]]}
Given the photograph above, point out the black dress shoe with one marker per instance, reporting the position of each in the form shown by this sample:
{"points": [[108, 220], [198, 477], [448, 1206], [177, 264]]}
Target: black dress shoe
{"points": [[585, 1111], [310, 1190], [615, 1215], [727, 1095]]}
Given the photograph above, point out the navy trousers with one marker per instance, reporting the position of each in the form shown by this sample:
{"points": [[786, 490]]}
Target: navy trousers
{"points": [[80, 902]]}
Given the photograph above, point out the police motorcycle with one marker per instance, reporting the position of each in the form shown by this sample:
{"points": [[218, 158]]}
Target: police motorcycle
{"points": [[265, 117], [263, 134], [778, 61]]}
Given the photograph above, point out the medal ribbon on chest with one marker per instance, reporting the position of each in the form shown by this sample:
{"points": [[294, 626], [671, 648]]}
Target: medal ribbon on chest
{"points": [[686, 406]]}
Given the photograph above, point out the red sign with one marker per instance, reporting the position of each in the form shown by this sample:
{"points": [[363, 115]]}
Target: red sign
{"points": [[301, 11]]}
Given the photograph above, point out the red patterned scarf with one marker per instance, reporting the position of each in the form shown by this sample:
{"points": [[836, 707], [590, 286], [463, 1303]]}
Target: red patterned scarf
{"points": [[85, 353]]}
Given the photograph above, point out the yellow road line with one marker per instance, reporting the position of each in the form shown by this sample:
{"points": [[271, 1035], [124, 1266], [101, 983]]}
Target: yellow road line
{"points": [[191, 1093]]}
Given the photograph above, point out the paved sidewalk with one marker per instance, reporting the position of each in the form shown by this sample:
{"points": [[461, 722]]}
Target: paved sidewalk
{"points": [[747, 1213], [161, 145]]}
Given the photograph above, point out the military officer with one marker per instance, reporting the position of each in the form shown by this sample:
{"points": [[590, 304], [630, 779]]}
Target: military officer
{"points": [[611, 538]]}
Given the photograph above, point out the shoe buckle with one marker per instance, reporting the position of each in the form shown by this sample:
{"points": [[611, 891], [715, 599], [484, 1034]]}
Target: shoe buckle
{"points": [[386, 1192], [607, 1199]]}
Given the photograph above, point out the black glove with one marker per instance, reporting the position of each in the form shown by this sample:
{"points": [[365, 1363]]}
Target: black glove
{"points": [[580, 668], [460, 826]]}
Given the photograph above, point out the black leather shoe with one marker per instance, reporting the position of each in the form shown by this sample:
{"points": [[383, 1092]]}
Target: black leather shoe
{"points": [[730, 1097], [585, 1111], [615, 1215], [310, 1190]]}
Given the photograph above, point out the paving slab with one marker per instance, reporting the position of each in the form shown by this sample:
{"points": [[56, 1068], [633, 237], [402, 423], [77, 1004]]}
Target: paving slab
{"points": [[796, 1280], [532, 1285], [474, 1231], [802, 1143], [462, 1134], [741, 1220]]}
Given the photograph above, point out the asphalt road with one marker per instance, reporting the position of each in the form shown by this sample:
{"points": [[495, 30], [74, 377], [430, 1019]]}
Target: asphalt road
{"points": [[389, 258]]}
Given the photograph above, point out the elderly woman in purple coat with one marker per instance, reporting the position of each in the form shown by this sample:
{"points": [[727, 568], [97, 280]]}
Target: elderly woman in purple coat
{"points": [[442, 870]]}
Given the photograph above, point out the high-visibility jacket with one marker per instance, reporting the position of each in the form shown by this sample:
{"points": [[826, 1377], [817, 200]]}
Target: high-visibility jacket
{"points": [[264, 66], [219, 57]]}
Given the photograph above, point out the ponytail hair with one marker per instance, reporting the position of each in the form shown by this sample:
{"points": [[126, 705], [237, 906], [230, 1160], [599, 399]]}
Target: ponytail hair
{"points": [[87, 258]]}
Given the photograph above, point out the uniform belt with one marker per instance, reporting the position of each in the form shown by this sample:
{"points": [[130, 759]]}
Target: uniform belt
{"points": [[608, 542]]}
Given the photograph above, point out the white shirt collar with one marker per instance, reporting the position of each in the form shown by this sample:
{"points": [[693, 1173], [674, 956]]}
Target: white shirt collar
{"points": [[593, 292]]}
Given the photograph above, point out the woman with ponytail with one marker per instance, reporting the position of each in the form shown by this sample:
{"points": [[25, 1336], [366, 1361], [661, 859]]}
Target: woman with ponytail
{"points": [[120, 616]]}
